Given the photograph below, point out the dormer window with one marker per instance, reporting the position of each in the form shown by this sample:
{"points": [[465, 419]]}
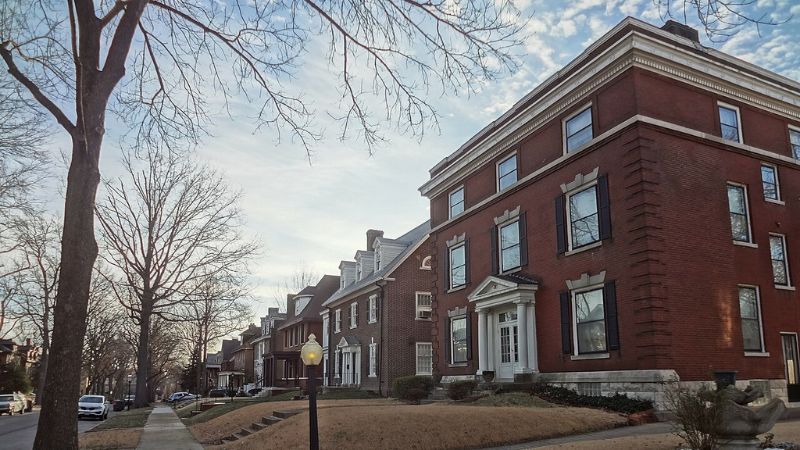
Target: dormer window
{"points": [[377, 259], [358, 271]]}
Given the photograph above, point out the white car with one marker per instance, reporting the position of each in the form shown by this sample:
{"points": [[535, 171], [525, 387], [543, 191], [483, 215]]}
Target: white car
{"points": [[11, 404], [94, 406]]}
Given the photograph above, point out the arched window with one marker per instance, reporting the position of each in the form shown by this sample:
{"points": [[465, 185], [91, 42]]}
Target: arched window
{"points": [[426, 263]]}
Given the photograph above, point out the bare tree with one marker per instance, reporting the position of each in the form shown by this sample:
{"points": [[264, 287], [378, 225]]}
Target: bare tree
{"points": [[719, 19], [105, 355], [301, 277], [168, 227]]}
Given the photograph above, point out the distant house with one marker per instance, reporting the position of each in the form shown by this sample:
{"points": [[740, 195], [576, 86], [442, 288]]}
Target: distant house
{"points": [[377, 325], [262, 344], [282, 366], [226, 372], [26, 355]]}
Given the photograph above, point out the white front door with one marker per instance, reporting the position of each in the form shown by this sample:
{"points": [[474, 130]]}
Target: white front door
{"points": [[506, 352], [347, 369]]}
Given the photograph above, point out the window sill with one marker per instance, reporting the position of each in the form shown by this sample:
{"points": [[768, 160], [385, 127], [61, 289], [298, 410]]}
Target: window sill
{"points": [[757, 354], [353, 327], [777, 202], [372, 376], [423, 374], [459, 288], [510, 271], [590, 356], [422, 319], [785, 288], [584, 248], [373, 321], [458, 365], [745, 244]]}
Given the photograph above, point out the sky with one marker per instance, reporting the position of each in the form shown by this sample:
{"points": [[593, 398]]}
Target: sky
{"points": [[314, 214]]}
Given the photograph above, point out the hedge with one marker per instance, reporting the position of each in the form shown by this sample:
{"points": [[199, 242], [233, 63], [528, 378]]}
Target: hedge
{"points": [[412, 389], [617, 402], [459, 390]]}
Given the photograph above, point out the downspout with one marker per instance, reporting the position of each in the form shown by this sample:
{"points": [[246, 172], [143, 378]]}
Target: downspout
{"points": [[382, 284]]}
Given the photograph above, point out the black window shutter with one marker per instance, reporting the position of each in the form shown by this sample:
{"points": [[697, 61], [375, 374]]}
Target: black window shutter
{"points": [[445, 341], [446, 264], [561, 226], [566, 320], [523, 240], [495, 252], [469, 336], [466, 261], [610, 307], [604, 209]]}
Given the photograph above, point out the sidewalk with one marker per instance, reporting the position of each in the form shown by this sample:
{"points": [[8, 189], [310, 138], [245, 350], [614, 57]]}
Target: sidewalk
{"points": [[641, 430], [164, 430]]}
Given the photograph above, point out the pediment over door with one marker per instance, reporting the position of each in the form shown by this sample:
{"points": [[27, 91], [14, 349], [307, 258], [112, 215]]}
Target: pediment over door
{"points": [[499, 289]]}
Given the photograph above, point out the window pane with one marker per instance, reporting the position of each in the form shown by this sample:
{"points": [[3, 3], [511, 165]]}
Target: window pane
{"points": [[748, 306], [769, 181], [779, 272], [776, 248], [583, 217], [730, 133], [768, 174], [509, 235], [457, 256], [507, 180], [592, 337], [458, 337], [727, 116], [511, 258], [736, 199], [739, 228], [579, 122], [794, 137], [751, 332], [507, 166], [589, 306], [457, 202], [579, 138]]}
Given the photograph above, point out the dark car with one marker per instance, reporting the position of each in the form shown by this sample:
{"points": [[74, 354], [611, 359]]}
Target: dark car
{"points": [[217, 393], [254, 391]]}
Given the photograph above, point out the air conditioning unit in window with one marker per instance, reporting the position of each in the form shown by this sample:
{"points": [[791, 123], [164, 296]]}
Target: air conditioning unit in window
{"points": [[424, 314]]}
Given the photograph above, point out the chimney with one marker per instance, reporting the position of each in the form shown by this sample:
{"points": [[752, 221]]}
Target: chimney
{"points": [[681, 30], [371, 235]]}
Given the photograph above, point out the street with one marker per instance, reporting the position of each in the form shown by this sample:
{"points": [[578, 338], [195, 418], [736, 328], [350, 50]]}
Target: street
{"points": [[17, 432]]}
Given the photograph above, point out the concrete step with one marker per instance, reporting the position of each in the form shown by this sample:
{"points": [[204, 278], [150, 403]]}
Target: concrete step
{"points": [[257, 426], [244, 432], [230, 438], [286, 413], [271, 420]]}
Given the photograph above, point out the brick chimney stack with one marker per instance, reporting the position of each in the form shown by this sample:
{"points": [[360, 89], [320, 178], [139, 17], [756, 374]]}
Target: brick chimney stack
{"points": [[371, 235], [682, 30]]}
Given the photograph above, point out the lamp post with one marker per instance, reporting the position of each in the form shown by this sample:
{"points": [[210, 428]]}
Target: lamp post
{"points": [[128, 397], [311, 354]]}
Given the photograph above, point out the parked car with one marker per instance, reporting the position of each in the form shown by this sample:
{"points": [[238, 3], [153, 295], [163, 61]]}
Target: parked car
{"points": [[129, 399], [254, 391], [95, 406], [217, 393], [12, 404], [181, 396]]}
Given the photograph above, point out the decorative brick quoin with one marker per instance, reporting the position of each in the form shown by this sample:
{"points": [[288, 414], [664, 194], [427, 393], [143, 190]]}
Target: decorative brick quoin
{"points": [[632, 221]]}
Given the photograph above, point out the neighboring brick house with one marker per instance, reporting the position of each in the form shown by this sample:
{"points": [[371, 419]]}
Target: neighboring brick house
{"points": [[225, 361], [632, 220], [237, 371], [262, 344], [283, 366], [377, 325]]}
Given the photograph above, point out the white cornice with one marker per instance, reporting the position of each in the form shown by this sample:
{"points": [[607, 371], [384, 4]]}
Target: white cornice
{"points": [[634, 49]]}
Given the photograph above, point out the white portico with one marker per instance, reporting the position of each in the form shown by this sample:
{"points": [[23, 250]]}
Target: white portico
{"points": [[505, 305]]}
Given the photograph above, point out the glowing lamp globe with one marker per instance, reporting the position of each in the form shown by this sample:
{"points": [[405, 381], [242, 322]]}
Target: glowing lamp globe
{"points": [[311, 354]]}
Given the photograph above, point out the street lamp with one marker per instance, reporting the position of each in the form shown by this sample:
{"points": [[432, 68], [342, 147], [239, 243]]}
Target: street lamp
{"points": [[128, 398], [311, 354]]}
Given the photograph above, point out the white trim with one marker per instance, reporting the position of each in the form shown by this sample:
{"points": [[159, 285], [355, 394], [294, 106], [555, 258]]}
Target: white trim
{"points": [[418, 309], [337, 320], [416, 359], [373, 359], [785, 288], [354, 315], [584, 248], [735, 109], [589, 356], [760, 314], [372, 301], [572, 293], [564, 121], [746, 198], [758, 354], [745, 244], [426, 263], [777, 183], [513, 154], [463, 201], [785, 249]]}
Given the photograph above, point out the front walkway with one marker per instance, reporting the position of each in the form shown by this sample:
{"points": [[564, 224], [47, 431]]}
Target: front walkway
{"points": [[651, 428], [164, 430]]}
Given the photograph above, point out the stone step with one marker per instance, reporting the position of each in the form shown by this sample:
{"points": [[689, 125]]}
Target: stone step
{"points": [[257, 426], [271, 420], [286, 413], [243, 432], [230, 438]]}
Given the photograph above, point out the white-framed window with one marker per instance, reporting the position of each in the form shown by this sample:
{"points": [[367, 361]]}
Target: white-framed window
{"points": [[426, 263], [377, 259], [780, 261], [325, 329], [509, 245], [423, 300], [353, 315], [730, 122], [424, 358], [578, 129], [337, 323], [359, 271], [794, 141], [373, 359], [589, 321], [507, 172], [458, 265], [373, 308], [750, 312], [770, 183], [458, 340], [456, 202], [739, 212], [584, 218]]}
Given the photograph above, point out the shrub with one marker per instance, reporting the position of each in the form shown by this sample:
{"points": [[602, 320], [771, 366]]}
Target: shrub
{"points": [[563, 396], [458, 390], [698, 415], [412, 389]]}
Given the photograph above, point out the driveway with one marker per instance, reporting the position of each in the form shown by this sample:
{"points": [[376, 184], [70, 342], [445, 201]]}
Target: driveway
{"points": [[18, 432]]}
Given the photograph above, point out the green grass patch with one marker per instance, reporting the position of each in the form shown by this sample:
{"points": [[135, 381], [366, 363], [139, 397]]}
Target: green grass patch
{"points": [[135, 418], [238, 402], [512, 399]]}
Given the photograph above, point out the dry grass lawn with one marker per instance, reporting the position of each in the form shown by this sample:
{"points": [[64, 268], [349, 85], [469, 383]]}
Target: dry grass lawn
{"points": [[442, 426], [219, 427], [127, 438]]}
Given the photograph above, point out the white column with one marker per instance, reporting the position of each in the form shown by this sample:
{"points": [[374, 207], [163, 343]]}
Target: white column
{"points": [[533, 354], [491, 346], [522, 336], [482, 351]]}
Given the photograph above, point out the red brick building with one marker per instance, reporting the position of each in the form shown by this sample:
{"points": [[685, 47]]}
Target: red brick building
{"points": [[633, 220], [282, 366], [377, 326]]}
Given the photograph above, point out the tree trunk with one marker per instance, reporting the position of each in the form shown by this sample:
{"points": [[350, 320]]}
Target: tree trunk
{"points": [[58, 421], [143, 359], [43, 363]]}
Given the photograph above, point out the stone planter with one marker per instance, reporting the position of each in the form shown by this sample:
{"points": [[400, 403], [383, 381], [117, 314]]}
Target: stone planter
{"points": [[488, 375]]}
